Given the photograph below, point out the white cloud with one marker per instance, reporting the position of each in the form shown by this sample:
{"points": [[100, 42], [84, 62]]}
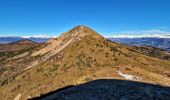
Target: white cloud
{"points": [[141, 33], [38, 36]]}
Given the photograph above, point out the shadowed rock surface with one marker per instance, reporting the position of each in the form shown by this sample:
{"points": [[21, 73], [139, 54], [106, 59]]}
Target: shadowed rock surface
{"points": [[112, 89]]}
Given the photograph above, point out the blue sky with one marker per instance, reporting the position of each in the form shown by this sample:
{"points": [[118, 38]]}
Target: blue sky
{"points": [[108, 17]]}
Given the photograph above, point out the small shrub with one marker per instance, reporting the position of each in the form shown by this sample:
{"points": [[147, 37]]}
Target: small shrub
{"points": [[78, 63], [92, 50], [90, 58], [64, 65], [54, 68], [4, 82], [97, 45], [39, 70], [107, 54], [2, 70], [88, 79], [94, 60], [88, 63], [115, 59]]}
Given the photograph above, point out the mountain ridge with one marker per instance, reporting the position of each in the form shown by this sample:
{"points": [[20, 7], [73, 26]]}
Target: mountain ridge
{"points": [[17, 45], [5, 40], [163, 43]]}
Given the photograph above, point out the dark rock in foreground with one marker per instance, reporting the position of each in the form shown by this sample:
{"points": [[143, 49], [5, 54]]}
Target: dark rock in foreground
{"points": [[110, 90]]}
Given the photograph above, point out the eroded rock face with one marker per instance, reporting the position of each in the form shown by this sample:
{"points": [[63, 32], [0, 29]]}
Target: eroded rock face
{"points": [[111, 90]]}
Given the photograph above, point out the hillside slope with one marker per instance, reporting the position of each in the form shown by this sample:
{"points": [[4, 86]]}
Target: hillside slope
{"points": [[17, 45], [153, 52], [77, 56]]}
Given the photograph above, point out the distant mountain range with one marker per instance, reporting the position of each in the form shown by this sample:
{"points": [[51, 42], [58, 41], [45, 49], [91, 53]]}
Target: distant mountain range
{"points": [[163, 43], [4, 40]]}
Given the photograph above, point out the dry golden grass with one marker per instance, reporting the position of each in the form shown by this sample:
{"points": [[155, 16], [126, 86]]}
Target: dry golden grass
{"points": [[88, 57]]}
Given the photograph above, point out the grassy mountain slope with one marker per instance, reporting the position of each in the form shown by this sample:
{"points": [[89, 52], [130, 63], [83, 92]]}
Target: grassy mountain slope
{"points": [[153, 52], [81, 55]]}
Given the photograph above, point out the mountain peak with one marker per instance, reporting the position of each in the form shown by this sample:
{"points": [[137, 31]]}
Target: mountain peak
{"points": [[82, 31], [80, 28]]}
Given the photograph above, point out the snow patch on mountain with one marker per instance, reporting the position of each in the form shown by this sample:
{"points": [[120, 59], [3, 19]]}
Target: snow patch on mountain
{"points": [[126, 76], [152, 33]]}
